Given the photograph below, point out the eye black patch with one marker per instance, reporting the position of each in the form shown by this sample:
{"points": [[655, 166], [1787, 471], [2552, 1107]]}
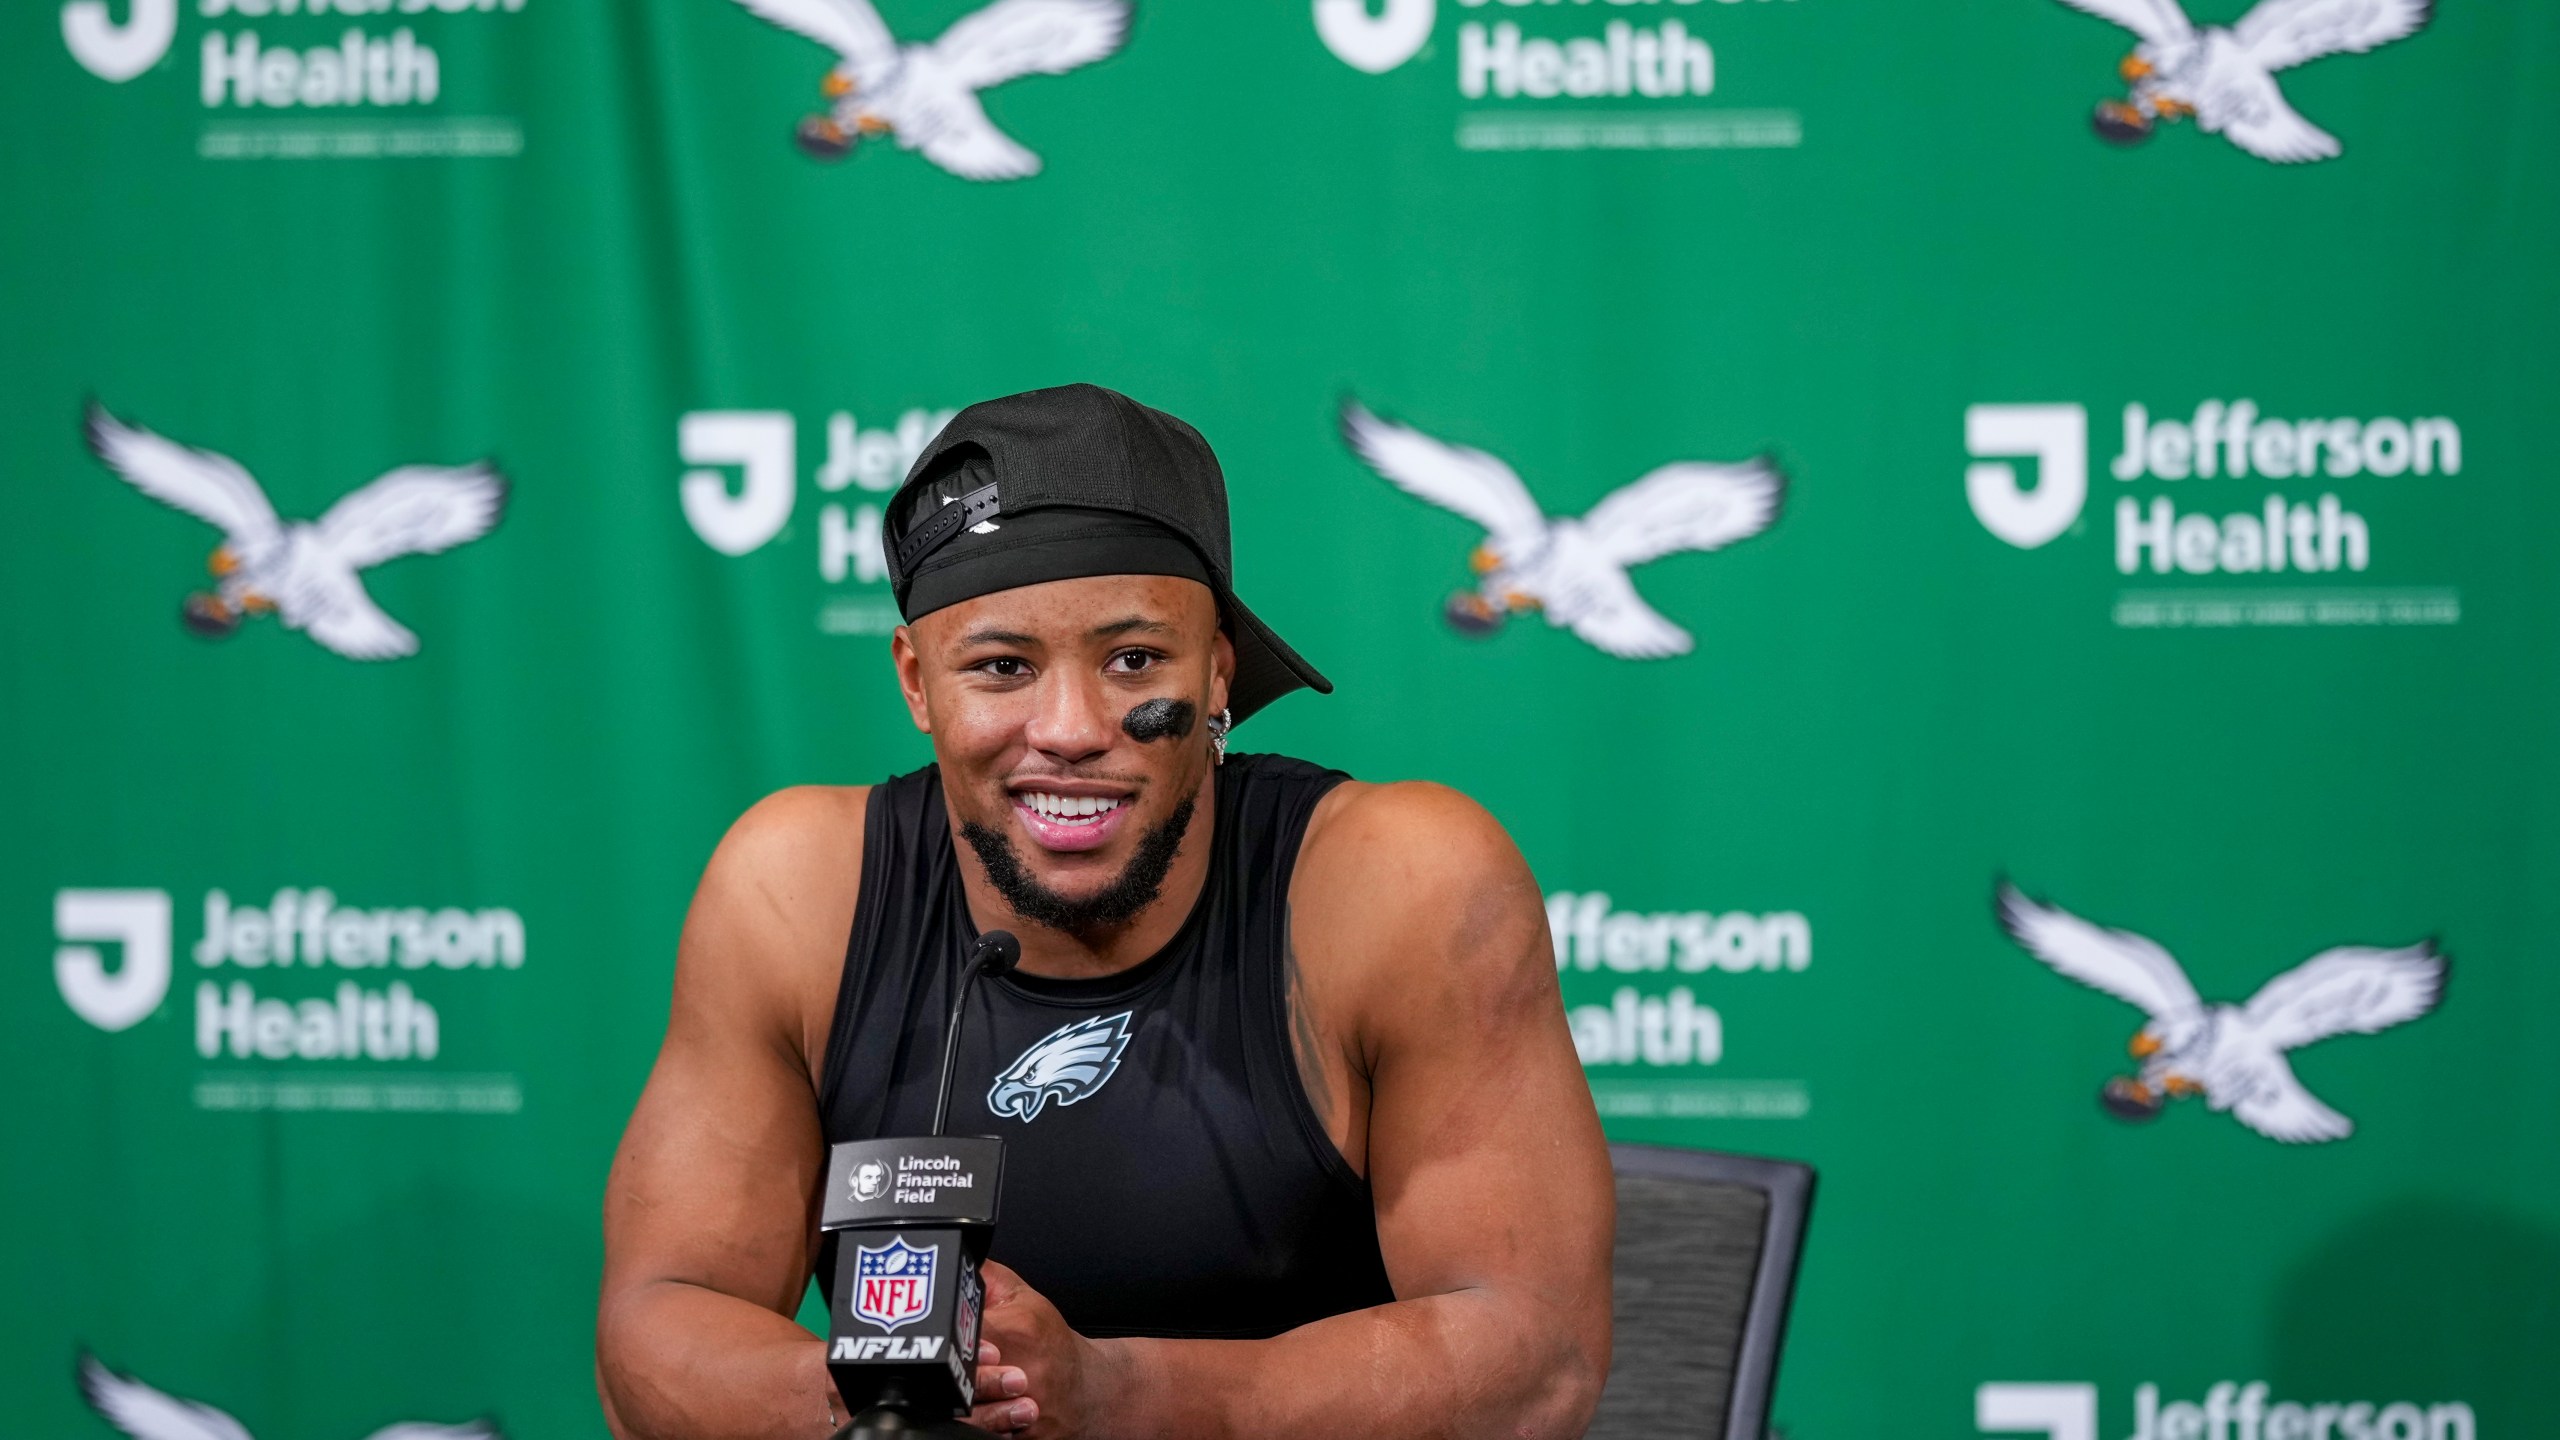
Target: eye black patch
{"points": [[1159, 718]]}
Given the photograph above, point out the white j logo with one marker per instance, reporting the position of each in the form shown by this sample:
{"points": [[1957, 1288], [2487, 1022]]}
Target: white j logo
{"points": [[1375, 43], [136, 919], [2060, 1412], [119, 52], [2057, 436], [762, 444]]}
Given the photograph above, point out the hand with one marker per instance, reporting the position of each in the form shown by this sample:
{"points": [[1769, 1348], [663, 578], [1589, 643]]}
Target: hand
{"points": [[1036, 1377]]}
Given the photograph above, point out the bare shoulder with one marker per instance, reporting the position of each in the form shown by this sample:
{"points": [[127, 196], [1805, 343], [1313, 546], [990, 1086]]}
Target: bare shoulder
{"points": [[764, 940], [1408, 847], [1394, 874], [800, 836]]}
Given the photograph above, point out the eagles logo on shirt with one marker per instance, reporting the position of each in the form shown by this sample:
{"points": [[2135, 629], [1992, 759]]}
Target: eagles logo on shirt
{"points": [[1068, 1064]]}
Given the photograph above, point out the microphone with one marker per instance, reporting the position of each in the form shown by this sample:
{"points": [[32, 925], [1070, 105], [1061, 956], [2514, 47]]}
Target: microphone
{"points": [[932, 1203], [997, 953]]}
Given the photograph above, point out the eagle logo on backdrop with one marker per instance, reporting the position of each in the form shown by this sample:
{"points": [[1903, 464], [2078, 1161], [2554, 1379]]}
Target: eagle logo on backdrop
{"points": [[1066, 1065], [303, 572], [2225, 78], [1573, 571], [892, 1283], [146, 1413], [2232, 1055], [926, 96]]}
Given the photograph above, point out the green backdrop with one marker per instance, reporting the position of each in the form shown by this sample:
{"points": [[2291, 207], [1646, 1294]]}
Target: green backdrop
{"points": [[544, 233]]}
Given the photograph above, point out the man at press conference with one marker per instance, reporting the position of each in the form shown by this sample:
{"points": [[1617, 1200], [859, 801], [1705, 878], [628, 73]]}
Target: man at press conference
{"points": [[1332, 1171]]}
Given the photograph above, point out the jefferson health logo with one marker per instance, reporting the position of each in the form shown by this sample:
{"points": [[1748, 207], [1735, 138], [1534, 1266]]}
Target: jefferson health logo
{"points": [[893, 1283], [2232, 1056], [373, 1016], [145, 1412], [2264, 504], [303, 572], [1650, 1050], [761, 448], [2228, 1410], [1571, 570], [925, 96], [2225, 77], [286, 64], [1569, 75]]}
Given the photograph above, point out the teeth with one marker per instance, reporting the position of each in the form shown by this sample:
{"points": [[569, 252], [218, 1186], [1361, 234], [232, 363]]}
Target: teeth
{"points": [[1068, 807]]}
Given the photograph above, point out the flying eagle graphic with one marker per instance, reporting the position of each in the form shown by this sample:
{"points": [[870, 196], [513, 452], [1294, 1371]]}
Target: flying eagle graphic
{"points": [[2226, 77], [2232, 1055], [1066, 1065], [927, 95], [303, 571], [1575, 571], [146, 1413]]}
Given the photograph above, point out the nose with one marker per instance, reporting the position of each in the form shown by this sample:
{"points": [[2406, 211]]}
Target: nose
{"points": [[1073, 722]]}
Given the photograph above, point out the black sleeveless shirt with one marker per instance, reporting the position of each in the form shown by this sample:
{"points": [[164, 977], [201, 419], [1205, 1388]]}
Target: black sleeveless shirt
{"points": [[1164, 1173]]}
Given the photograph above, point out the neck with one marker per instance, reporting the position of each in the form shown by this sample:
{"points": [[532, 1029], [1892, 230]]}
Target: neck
{"points": [[1065, 955]]}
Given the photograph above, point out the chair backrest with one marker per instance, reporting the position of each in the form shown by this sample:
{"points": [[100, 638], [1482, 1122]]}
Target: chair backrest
{"points": [[1705, 1268]]}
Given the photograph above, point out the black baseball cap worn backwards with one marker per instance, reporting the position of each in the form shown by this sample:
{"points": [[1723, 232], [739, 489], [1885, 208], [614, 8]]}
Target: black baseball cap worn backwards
{"points": [[1074, 481]]}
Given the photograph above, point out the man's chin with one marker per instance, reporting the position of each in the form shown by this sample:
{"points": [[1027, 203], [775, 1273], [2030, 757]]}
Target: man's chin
{"points": [[1078, 891]]}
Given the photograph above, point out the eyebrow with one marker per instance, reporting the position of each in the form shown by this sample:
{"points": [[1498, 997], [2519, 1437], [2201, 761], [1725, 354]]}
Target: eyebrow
{"points": [[999, 637], [1132, 623]]}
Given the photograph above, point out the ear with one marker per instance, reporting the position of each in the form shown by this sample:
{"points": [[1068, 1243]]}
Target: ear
{"points": [[1222, 672], [902, 650]]}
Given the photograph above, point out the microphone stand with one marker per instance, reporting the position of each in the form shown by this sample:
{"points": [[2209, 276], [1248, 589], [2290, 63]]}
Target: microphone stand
{"points": [[934, 1202]]}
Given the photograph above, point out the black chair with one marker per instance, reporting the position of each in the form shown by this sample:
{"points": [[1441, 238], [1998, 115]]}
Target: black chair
{"points": [[1705, 1268]]}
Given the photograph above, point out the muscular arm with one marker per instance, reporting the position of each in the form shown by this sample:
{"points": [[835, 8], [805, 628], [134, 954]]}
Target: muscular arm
{"points": [[709, 1228], [1426, 953]]}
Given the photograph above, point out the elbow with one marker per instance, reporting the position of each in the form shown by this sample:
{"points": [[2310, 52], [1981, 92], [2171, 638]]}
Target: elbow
{"points": [[607, 1391], [612, 1413], [1565, 1391], [620, 1343], [1572, 1397]]}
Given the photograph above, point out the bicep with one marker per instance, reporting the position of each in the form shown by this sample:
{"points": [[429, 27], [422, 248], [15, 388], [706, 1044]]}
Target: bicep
{"points": [[1486, 1159], [710, 1186], [714, 1182]]}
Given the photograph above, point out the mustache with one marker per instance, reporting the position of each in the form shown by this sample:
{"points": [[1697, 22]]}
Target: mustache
{"points": [[1072, 772]]}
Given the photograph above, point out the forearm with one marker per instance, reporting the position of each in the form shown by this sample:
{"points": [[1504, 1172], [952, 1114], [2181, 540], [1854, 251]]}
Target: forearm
{"points": [[681, 1362], [1470, 1363]]}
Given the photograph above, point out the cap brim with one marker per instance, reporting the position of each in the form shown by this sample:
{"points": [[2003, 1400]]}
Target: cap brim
{"points": [[1266, 668]]}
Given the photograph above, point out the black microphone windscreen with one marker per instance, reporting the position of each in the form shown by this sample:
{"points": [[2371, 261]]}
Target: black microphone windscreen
{"points": [[998, 952]]}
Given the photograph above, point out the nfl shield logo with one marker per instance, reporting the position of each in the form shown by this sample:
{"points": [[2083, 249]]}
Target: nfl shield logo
{"points": [[892, 1283]]}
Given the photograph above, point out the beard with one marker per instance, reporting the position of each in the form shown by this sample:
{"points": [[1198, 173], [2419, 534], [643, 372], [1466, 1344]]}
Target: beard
{"points": [[1137, 886]]}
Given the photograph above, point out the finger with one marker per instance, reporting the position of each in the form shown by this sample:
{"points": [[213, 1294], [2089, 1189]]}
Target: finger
{"points": [[995, 1382], [1005, 1416], [988, 1354], [1000, 1280]]}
